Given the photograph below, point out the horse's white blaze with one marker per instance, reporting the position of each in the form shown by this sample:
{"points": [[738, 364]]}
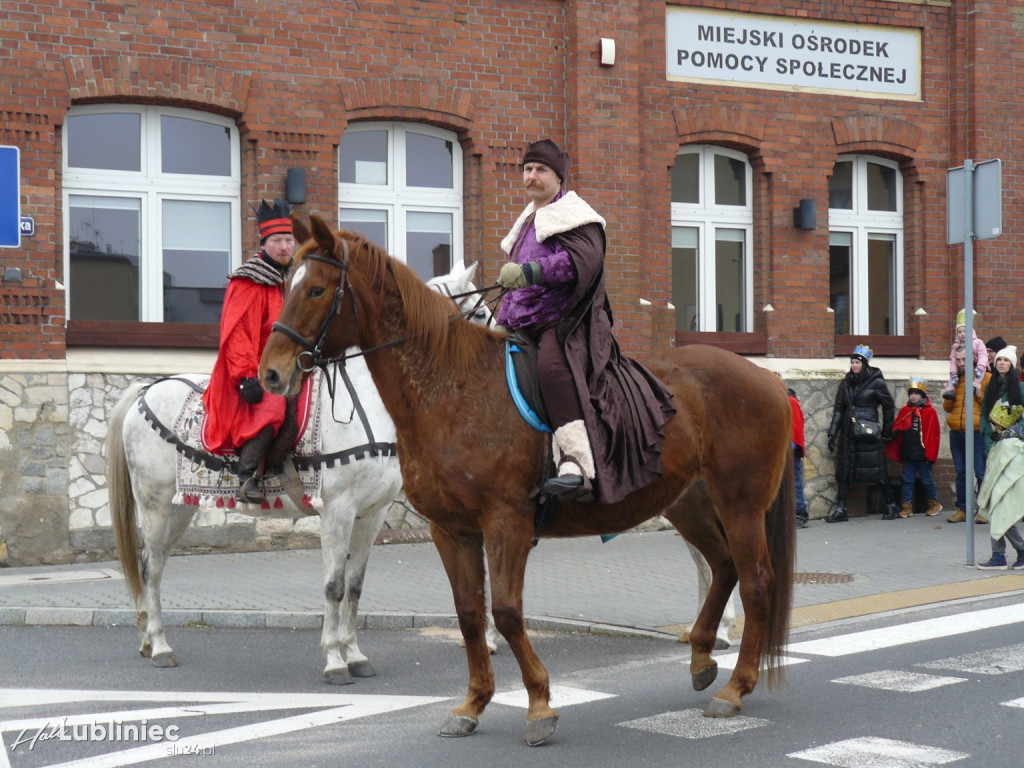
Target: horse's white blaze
{"points": [[300, 272]]}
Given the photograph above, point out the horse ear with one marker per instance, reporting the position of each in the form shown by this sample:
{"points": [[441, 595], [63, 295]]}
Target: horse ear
{"points": [[470, 271], [322, 233], [299, 229]]}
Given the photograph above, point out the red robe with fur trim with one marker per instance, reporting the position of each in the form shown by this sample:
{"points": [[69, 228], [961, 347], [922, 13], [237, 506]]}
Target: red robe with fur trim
{"points": [[929, 430], [250, 311]]}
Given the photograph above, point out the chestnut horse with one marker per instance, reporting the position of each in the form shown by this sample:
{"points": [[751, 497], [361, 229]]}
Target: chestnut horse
{"points": [[471, 465]]}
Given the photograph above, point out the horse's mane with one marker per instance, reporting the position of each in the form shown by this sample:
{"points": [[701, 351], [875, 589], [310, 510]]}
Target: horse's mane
{"points": [[429, 316]]}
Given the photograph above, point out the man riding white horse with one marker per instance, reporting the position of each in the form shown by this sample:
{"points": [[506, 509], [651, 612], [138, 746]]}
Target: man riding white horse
{"points": [[240, 415]]}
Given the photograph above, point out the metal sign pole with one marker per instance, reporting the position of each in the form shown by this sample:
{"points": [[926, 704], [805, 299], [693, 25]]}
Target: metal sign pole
{"points": [[968, 377]]}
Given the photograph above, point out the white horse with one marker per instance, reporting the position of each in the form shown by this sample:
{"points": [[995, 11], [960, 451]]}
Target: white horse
{"points": [[356, 496]]}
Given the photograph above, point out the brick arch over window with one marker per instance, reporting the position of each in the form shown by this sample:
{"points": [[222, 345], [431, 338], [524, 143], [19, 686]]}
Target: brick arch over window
{"points": [[741, 129], [408, 100], [876, 133], [103, 78]]}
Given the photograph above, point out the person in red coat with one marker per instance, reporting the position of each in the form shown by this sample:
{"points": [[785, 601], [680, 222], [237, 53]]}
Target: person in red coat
{"points": [[240, 416], [915, 443]]}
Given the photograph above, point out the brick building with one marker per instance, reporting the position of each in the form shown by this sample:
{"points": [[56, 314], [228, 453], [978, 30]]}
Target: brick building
{"points": [[145, 131]]}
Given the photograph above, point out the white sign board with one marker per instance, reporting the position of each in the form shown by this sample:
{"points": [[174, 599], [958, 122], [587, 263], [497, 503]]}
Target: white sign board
{"points": [[793, 54]]}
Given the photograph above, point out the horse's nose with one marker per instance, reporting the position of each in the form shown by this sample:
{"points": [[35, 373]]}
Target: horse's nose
{"points": [[271, 379]]}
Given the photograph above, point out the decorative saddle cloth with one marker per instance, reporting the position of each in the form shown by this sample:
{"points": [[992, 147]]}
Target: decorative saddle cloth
{"points": [[208, 480]]}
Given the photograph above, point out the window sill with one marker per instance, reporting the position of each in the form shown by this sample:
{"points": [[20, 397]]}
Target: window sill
{"points": [[883, 346], [150, 335]]}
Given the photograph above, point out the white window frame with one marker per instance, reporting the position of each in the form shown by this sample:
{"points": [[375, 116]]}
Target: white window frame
{"points": [[707, 218], [150, 187], [397, 199], [861, 223]]}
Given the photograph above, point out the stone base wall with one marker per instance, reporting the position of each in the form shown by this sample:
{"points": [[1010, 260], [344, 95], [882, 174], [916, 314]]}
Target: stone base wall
{"points": [[53, 497]]}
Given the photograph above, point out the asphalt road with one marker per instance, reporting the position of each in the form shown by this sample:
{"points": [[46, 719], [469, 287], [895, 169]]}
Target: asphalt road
{"points": [[928, 687]]}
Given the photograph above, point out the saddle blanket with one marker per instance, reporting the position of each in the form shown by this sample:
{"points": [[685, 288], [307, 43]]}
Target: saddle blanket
{"points": [[204, 487]]}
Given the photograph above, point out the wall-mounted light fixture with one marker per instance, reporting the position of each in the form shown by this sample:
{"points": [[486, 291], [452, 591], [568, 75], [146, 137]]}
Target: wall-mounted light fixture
{"points": [[295, 186], [805, 215], [607, 52]]}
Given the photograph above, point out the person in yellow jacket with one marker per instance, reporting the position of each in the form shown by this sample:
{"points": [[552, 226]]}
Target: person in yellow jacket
{"points": [[957, 421]]}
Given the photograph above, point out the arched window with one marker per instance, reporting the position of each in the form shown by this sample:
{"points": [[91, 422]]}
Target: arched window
{"points": [[712, 231], [865, 214], [151, 212], [400, 185]]}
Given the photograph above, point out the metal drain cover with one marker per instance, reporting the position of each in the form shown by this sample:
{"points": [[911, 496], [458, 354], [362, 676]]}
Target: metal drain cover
{"points": [[822, 578]]}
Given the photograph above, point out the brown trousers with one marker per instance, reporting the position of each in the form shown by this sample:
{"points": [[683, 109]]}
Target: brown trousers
{"points": [[557, 386]]}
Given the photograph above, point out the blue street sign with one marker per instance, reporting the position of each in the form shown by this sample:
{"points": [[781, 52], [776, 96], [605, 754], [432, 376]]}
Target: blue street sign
{"points": [[10, 198], [28, 226]]}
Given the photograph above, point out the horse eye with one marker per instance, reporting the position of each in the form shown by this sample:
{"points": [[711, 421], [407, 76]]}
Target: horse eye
{"points": [[316, 293]]}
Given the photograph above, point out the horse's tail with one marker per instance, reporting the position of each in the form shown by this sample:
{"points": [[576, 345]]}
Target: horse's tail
{"points": [[122, 501], [780, 529]]}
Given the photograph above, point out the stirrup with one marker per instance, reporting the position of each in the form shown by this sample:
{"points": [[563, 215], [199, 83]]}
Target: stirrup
{"points": [[249, 492], [570, 486]]}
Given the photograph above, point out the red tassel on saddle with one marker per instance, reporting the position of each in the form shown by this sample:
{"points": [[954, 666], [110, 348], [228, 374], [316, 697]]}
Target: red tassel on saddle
{"points": [[278, 504]]}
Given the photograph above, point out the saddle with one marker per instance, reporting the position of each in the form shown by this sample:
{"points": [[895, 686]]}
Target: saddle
{"points": [[205, 479], [523, 382]]}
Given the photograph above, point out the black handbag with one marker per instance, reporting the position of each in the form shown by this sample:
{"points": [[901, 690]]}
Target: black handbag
{"points": [[866, 431]]}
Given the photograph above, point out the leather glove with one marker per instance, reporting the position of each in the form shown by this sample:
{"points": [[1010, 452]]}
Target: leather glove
{"points": [[514, 276], [250, 390], [831, 444]]}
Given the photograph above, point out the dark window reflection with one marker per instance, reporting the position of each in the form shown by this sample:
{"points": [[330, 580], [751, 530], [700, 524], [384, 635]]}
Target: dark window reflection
{"points": [[428, 161], [686, 179], [103, 283], [730, 181], [881, 187], [109, 142], [194, 146], [363, 157], [840, 186]]}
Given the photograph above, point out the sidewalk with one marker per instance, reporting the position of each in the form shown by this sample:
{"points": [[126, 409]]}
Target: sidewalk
{"points": [[638, 583]]}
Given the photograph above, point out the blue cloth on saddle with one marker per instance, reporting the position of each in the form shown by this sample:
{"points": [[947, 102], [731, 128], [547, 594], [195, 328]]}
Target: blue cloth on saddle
{"points": [[521, 373]]}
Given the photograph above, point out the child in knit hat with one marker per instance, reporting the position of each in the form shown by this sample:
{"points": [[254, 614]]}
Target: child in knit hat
{"points": [[915, 444], [979, 353]]}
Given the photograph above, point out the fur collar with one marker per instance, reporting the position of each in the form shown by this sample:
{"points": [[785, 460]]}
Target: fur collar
{"points": [[567, 213]]}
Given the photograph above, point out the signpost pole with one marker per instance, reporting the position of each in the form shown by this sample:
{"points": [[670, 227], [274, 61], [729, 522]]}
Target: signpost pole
{"points": [[968, 376]]}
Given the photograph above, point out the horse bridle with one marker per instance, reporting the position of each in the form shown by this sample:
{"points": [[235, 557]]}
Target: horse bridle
{"points": [[313, 351]]}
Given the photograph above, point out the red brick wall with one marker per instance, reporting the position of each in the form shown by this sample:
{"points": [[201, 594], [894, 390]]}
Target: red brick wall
{"points": [[501, 74]]}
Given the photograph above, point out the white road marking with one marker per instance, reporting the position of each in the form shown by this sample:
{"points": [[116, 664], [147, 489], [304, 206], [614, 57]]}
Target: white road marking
{"points": [[728, 660], [328, 709], [994, 661], [874, 752], [691, 724], [899, 681], [561, 696], [914, 632]]}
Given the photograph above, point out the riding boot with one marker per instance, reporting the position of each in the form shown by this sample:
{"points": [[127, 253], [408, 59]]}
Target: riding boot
{"points": [[249, 457], [575, 460], [891, 512], [838, 515]]}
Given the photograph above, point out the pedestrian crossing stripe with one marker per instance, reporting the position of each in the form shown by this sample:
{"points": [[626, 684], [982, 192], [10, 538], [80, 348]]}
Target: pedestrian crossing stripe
{"points": [[325, 709], [873, 750], [899, 681]]}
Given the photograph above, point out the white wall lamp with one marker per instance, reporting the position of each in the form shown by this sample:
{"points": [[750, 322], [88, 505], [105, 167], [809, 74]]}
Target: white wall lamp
{"points": [[607, 52]]}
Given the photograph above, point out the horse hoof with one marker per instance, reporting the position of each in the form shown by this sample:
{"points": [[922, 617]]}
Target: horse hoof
{"points": [[165, 660], [457, 725], [146, 651], [705, 677], [340, 676], [721, 708], [722, 643], [539, 731], [362, 669]]}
